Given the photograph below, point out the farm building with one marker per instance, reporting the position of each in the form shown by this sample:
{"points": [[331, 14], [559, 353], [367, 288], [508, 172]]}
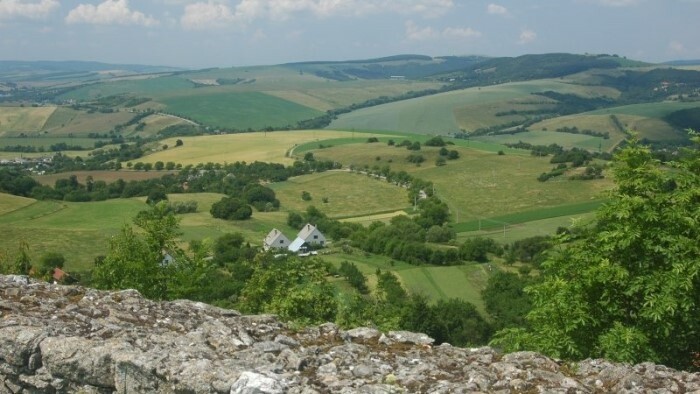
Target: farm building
{"points": [[275, 240], [308, 235]]}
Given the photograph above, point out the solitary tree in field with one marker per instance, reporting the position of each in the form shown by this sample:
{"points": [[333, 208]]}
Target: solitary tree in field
{"points": [[629, 289]]}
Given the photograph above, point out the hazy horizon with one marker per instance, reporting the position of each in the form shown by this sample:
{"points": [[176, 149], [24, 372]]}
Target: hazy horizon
{"points": [[225, 33]]}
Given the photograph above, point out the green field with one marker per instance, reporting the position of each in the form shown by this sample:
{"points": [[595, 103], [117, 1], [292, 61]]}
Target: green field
{"points": [[240, 110], [515, 232], [348, 194], [464, 281], [80, 231], [453, 111]]}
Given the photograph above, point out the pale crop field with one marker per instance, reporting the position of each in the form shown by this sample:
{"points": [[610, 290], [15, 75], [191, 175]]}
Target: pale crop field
{"points": [[16, 120], [230, 148], [69, 121]]}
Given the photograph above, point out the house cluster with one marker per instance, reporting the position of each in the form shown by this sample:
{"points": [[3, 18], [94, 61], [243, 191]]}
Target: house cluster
{"points": [[309, 236]]}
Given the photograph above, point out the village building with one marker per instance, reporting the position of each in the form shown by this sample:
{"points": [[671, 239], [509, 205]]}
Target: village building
{"points": [[275, 239]]}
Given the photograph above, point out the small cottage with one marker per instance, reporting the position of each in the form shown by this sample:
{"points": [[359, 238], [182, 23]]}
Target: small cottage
{"points": [[308, 235], [275, 239]]}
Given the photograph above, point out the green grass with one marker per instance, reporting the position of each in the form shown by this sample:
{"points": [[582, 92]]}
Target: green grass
{"points": [[514, 232], [348, 194], [240, 110]]}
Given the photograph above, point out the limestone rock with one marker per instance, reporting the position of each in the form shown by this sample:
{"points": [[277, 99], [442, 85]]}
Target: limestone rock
{"points": [[65, 339]]}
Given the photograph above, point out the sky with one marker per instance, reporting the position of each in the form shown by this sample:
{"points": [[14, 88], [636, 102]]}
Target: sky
{"points": [[225, 33]]}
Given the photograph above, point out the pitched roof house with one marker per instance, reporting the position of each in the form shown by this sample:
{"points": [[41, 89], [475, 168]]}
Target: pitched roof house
{"points": [[275, 240], [308, 235]]}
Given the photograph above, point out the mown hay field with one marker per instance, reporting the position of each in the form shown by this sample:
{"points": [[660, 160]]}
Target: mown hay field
{"points": [[67, 121], [16, 120], [480, 184], [230, 148], [346, 194], [452, 111]]}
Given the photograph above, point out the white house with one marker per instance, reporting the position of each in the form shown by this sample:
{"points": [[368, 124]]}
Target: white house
{"points": [[308, 235], [275, 240]]}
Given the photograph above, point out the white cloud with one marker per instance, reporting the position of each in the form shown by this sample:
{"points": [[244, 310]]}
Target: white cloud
{"points": [[417, 33], [109, 12], [495, 9], [676, 47], [215, 13], [206, 15], [618, 3], [527, 36], [35, 10], [461, 32]]}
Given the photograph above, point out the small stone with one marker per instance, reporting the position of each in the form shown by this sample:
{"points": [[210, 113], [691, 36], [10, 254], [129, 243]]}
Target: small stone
{"points": [[362, 371]]}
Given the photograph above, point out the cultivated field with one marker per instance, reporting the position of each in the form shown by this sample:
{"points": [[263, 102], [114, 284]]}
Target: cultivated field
{"points": [[67, 121], [16, 120], [240, 111]]}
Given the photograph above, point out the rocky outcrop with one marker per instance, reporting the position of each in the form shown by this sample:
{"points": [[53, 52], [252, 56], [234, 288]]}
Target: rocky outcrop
{"points": [[65, 339]]}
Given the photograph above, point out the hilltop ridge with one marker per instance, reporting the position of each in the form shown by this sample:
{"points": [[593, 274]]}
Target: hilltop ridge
{"points": [[59, 339]]}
